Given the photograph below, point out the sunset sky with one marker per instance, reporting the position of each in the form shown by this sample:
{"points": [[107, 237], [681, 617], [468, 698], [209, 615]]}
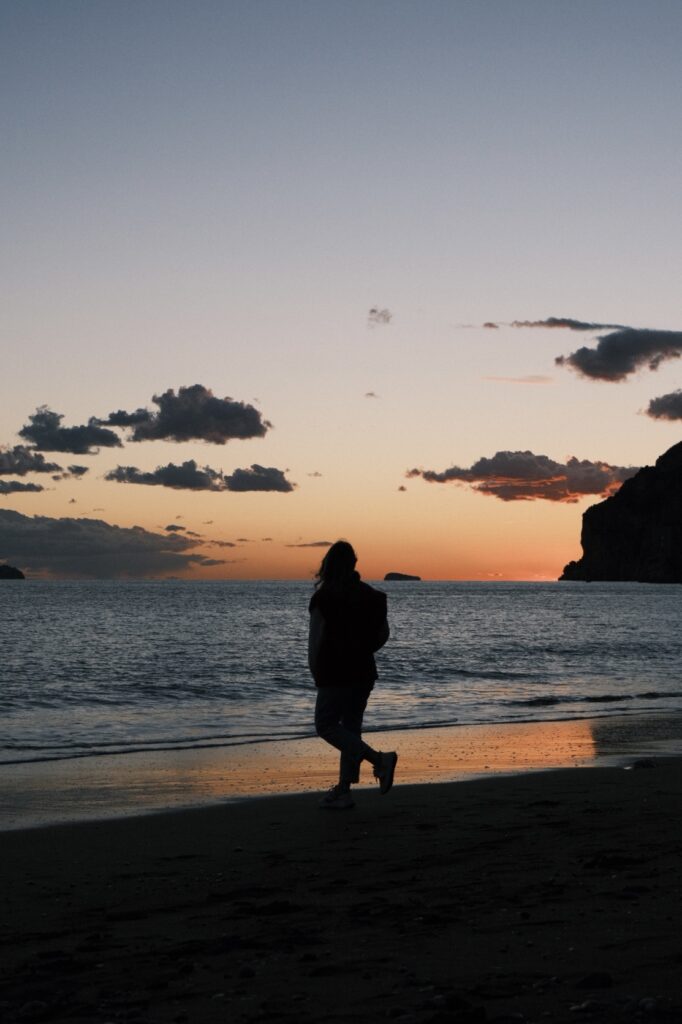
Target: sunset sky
{"points": [[312, 209]]}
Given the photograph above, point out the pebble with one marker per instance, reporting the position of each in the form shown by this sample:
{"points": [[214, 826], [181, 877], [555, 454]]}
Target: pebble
{"points": [[589, 1006]]}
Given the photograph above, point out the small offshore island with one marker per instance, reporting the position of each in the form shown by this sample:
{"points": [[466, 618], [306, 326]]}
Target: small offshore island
{"points": [[636, 535], [8, 572], [401, 576]]}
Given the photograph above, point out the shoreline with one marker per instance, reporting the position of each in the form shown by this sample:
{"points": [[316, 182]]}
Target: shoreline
{"points": [[546, 895], [106, 787], [229, 742]]}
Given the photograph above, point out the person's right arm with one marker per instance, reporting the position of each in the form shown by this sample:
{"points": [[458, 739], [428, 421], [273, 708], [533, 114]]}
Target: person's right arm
{"points": [[382, 636], [382, 631]]}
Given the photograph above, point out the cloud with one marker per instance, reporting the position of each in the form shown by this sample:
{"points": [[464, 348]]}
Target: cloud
{"points": [[530, 378], [377, 316], [524, 476], [128, 419], [554, 323], [186, 477], [564, 322], [72, 472], [174, 528], [311, 544], [258, 478], [91, 548], [191, 477], [371, 394], [402, 487], [221, 543], [264, 539], [20, 460], [46, 434], [666, 407], [16, 487], [193, 414], [623, 352], [315, 474]]}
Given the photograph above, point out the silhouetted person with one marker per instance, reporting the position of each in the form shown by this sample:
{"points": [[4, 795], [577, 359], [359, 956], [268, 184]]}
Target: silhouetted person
{"points": [[347, 625]]}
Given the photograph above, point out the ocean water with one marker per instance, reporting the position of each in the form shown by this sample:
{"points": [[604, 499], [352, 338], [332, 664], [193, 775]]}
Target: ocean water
{"points": [[111, 667]]}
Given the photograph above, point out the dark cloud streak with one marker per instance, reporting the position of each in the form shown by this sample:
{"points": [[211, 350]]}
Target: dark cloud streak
{"points": [[92, 548], [311, 544], [186, 477], [566, 323], [20, 460], [258, 478], [16, 487], [623, 352], [191, 477], [525, 476], [45, 433], [193, 414], [666, 407], [127, 419]]}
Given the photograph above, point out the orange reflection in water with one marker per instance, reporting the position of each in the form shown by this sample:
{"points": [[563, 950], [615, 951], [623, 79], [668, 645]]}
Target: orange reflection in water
{"points": [[109, 786]]}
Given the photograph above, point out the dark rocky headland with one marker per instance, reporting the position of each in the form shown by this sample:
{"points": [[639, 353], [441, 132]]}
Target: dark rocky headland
{"points": [[8, 572], [403, 576], [636, 535]]}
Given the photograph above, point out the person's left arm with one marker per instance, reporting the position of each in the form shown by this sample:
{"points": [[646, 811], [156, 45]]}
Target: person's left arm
{"points": [[315, 634]]}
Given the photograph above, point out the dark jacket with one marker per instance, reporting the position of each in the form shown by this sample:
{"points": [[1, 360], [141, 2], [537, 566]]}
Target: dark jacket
{"points": [[347, 625]]}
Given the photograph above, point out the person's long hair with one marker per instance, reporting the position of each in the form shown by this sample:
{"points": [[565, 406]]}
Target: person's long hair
{"points": [[337, 568]]}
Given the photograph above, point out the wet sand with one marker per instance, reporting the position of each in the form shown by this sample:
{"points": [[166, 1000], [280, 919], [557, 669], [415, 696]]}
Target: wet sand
{"points": [[112, 786], [550, 896]]}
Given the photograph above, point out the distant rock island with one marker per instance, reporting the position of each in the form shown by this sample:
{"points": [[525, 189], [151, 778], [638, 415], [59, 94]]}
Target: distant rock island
{"points": [[636, 535], [8, 572], [400, 576]]}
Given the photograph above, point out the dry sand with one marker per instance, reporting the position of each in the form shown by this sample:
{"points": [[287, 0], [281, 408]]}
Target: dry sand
{"points": [[552, 896]]}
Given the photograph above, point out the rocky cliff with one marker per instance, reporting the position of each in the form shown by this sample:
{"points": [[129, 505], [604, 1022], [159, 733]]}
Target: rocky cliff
{"points": [[8, 572], [636, 534], [401, 576]]}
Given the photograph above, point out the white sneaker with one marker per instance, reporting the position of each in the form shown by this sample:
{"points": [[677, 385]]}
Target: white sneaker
{"points": [[337, 799]]}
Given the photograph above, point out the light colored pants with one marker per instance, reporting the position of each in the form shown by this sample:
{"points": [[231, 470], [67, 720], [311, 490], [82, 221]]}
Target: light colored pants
{"points": [[338, 721]]}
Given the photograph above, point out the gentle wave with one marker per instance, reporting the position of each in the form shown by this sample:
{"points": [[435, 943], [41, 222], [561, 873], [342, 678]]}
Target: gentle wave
{"points": [[123, 667], [600, 698]]}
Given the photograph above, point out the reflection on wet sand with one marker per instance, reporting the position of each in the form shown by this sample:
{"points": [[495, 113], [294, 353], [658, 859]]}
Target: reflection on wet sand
{"points": [[648, 735], [111, 786]]}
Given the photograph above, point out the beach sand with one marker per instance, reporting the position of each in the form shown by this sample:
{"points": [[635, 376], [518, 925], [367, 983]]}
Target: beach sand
{"points": [[109, 786], [550, 896]]}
